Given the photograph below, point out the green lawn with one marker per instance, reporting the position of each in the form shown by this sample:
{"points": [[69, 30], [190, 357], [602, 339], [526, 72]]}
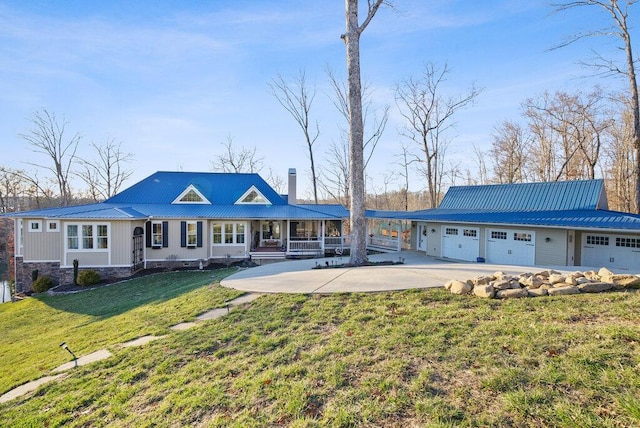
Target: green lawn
{"points": [[414, 358], [31, 330]]}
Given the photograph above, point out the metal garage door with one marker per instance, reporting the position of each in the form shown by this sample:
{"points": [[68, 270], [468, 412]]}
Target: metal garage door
{"points": [[461, 243], [511, 247], [616, 252]]}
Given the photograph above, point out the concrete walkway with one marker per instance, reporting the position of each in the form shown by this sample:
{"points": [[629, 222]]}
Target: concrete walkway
{"points": [[104, 354], [418, 271]]}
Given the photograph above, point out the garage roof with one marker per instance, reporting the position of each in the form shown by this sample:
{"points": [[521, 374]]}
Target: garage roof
{"points": [[553, 196]]}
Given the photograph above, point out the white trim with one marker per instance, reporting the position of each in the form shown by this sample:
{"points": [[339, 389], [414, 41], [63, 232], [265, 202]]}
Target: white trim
{"points": [[190, 188], [18, 231], [253, 188], [40, 261], [37, 229], [50, 222], [97, 267]]}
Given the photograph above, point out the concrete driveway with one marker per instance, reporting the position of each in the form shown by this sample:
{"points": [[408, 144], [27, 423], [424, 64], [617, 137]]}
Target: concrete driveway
{"points": [[418, 271]]}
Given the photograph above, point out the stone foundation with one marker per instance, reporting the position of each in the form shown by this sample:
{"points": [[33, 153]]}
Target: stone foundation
{"points": [[24, 273]]}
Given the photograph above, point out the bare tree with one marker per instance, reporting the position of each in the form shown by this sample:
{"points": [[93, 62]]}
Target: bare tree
{"points": [[336, 177], [12, 188], [481, 164], [569, 128], [374, 121], [508, 152], [619, 161], [405, 160], [297, 98], [276, 181], [237, 160], [105, 175], [47, 136], [358, 250], [428, 115], [618, 11]]}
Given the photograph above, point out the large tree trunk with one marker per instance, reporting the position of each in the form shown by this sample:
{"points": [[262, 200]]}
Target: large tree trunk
{"points": [[358, 254], [635, 107]]}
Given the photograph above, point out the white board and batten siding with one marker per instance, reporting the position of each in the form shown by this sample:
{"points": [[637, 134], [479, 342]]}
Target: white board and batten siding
{"points": [[511, 247], [461, 242], [616, 252]]}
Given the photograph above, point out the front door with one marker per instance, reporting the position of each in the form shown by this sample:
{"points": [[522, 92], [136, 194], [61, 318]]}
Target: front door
{"points": [[137, 262], [422, 237]]}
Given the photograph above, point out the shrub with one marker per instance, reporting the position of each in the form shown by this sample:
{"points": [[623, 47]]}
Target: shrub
{"points": [[88, 277], [42, 284], [76, 263]]}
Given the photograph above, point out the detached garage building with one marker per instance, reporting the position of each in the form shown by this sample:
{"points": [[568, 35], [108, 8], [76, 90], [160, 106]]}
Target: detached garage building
{"points": [[558, 224]]}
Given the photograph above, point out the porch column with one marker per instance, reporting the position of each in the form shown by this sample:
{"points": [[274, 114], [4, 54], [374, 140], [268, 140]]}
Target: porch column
{"points": [[288, 235], [399, 236], [323, 233]]}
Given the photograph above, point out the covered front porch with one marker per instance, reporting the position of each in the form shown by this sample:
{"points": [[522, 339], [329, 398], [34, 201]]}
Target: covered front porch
{"points": [[287, 238]]}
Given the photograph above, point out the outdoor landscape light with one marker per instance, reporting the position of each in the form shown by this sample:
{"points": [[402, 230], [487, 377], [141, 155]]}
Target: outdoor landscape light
{"points": [[64, 345]]}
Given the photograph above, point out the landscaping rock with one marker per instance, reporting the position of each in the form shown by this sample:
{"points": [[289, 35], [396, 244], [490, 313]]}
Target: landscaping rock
{"points": [[532, 282], [595, 287], [487, 291], [500, 284], [537, 292], [625, 280], [512, 293], [459, 287], [515, 284], [564, 290], [482, 280], [556, 278], [547, 282]]}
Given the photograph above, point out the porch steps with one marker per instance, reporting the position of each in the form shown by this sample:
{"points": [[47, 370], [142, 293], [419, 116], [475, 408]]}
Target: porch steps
{"points": [[381, 248], [267, 255]]}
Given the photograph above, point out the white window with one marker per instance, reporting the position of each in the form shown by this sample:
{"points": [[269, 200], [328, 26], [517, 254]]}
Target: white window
{"points": [[228, 233], [498, 235], [87, 236], [53, 226], [217, 233], [270, 230], [597, 240], [252, 196], [191, 195], [156, 234], [35, 226], [192, 234]]}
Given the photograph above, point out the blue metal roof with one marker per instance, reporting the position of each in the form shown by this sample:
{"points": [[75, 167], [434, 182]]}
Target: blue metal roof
{"points": [[219, 188], [143, 211], [559, 195], [574, 219], [334, 210]]}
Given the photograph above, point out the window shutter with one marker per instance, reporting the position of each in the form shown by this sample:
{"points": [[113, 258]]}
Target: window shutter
{"points": [[147, 238], [183, 234], [199, 236], [165, 234]]}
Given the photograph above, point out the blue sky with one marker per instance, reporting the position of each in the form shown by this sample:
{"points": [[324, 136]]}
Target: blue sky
{"points": [[172, 80]]}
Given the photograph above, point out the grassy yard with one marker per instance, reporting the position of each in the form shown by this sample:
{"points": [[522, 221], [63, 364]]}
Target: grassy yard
{"points": [[414, 358], [31, 330]]}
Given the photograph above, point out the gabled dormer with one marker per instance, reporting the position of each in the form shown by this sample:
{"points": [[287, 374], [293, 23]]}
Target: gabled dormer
{"points": [[253, 196], [191, 195]]}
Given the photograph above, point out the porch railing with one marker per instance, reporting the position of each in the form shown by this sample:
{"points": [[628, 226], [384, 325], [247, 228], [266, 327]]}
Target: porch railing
{"points": [[383, 243], [305, 246]]}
